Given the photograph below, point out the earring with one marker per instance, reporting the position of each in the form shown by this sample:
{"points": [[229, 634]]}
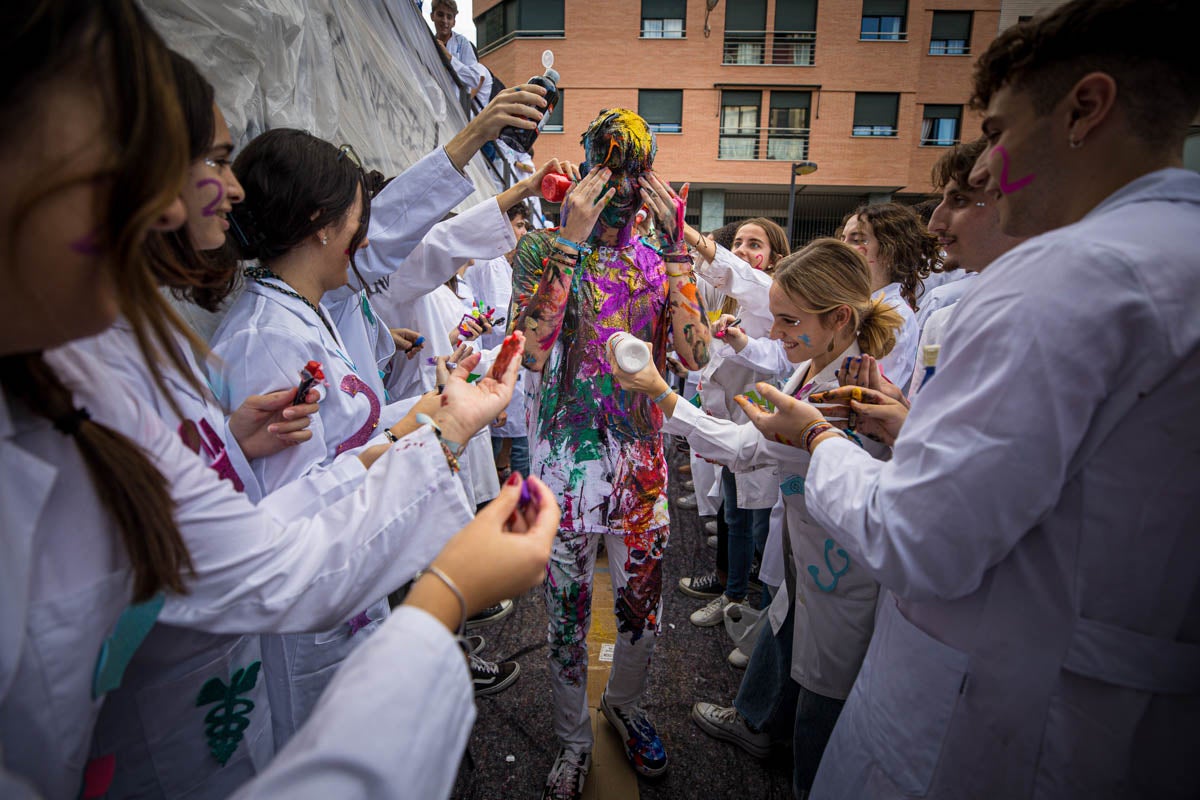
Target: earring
{"points": [[324, 240], [830, 348], [1075, 145]]}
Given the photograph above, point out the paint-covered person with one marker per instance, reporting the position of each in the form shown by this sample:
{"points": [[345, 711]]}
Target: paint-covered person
{"points": [[597, 446], [1052, 652]]}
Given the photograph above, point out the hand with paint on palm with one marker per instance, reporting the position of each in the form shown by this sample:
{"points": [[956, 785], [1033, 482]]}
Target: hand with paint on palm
{"points": [[584, 203], [467, 407], [667, 207], [785, 423], [876, 415]]}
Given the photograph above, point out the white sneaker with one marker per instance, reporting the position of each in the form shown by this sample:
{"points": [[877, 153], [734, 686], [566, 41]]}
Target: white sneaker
{"points": [[726, 723], [712, 614], [688, 501], [710, 527], [737, 659], [712, 542]]}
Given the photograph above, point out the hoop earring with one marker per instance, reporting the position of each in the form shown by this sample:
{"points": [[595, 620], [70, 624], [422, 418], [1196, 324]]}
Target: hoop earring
{"points": [[1075, 145]]}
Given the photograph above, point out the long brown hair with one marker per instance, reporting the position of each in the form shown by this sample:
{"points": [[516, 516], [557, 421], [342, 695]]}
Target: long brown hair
{"points": [[110, 39], [907, 245], [827, 274], [776, 240]]}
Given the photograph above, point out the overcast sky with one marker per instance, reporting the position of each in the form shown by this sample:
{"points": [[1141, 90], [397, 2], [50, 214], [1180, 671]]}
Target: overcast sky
{"points": [[463, 24]]}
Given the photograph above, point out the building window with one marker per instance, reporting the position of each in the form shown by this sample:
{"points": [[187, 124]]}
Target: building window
{"points": [[554, 122], [875, 113], [940, 126], [787, 136], [739, 125], [795, 33], [951, 34], [662, 109], [745, 32], [884, 20], [663, 19], [511, 19]]}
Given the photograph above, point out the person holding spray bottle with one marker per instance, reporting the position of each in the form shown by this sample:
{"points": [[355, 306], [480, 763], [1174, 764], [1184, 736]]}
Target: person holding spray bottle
{"points": [[597, 447]]}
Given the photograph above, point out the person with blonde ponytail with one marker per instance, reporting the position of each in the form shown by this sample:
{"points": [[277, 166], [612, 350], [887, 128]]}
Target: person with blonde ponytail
{"points": [[109, 523], [803, 666]]}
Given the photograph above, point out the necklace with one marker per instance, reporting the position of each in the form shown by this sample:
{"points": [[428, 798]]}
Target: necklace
{"points": [[257, 274]]}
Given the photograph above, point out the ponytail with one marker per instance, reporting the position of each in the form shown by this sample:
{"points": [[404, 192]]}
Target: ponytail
{"points": [[129, 486], [877, 328]]}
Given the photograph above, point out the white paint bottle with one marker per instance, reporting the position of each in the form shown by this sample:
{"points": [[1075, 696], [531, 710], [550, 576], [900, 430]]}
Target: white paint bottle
{"points": [[630, 353]]}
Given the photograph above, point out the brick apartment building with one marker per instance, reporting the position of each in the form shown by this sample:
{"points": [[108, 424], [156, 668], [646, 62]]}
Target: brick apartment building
{"points": [[872, 91]]}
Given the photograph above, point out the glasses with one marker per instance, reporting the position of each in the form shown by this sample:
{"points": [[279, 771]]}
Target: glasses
{"points": [[347, 152]]}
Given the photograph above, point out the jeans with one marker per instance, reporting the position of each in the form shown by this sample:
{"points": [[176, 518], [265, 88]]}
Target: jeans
{"points": [[770, 701], [748, 530], [519, 457]]}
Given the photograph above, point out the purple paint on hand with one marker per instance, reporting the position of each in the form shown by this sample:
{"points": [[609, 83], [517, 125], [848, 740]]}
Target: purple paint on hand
{"points": [[1008, 186], [526, 496], [211, 209]]}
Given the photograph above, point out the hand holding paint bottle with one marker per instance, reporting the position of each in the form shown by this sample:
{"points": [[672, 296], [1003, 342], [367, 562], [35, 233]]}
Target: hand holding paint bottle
{"points": [[520, 139], [630, 353]]}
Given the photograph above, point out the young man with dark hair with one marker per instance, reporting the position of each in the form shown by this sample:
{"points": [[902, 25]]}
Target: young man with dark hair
{"points": [[1037, 523]]}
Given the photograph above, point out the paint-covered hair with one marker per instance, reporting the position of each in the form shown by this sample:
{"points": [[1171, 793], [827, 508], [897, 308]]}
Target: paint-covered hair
{"points": [[1146, 46], [827, 274], [905, 244], [108, 45], [620, 140]]}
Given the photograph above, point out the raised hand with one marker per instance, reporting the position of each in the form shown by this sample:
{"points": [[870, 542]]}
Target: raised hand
{"points": [[667, 207], [467, 407], [584, 203]]}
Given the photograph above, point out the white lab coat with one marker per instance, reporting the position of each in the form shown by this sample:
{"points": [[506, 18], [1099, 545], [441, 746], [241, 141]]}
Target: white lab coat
{"points": [[898, 364], [1037, 526], [932, 332], [264, 340], [723, 378], [65, 579], [466, 66], [942, 296], [491, 282], [437, 313], [834, 598], [401, 218], [166, 753], [481, 232]]}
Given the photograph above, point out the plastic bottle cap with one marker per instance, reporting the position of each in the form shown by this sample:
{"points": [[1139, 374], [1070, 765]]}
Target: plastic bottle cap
{"points": [[555, 186], [547, 58]]}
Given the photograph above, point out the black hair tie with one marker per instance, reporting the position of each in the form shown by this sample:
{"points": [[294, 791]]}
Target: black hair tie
{"points": [[68, 424]]}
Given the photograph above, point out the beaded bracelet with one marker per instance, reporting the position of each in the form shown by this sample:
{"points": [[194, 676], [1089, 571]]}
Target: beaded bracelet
{"points": [[582, 248], [816, 432], [808, 428], [462, 600]]}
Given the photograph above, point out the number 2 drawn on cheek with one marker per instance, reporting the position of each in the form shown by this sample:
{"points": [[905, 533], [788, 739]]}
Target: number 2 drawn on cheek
{"points": [[1007, 186], [211, 209], [86, 245]]}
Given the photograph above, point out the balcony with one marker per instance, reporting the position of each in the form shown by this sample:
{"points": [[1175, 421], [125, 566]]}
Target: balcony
{"points": [[524, 34], [770, 48], [746, 144]]}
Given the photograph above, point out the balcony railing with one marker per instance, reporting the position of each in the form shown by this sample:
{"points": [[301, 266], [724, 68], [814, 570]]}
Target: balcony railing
{"points": [[527, 34], [746, 144], [774, 48]]}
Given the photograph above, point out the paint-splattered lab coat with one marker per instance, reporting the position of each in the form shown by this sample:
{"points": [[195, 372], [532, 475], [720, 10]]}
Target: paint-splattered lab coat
{"points": [[65, 581], [833, 597], [1038, 528]]}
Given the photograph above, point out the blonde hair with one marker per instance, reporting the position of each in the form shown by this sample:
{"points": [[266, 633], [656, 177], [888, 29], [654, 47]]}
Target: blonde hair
{"points": [[826, 275]]}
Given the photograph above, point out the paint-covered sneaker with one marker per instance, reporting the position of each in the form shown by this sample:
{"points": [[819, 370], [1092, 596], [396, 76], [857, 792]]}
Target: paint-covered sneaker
{"points": [[490, 677], [727, 724], [567, 776], [643, 747]]}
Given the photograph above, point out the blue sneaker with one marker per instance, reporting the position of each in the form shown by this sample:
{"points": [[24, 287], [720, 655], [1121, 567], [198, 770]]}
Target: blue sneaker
{"points": [[643, 747]]}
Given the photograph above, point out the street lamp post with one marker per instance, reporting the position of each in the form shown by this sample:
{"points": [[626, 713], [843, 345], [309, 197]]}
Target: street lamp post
{"points": [[798, 168]]}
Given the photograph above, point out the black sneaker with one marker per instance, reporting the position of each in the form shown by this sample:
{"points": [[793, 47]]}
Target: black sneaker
{"points": [[704, 587], [489, 615], [567, 776], [490, 677], [475, 644]]}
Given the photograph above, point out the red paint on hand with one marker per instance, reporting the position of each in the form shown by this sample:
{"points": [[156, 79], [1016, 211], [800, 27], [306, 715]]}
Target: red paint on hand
{"points": [[508, 351]]}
